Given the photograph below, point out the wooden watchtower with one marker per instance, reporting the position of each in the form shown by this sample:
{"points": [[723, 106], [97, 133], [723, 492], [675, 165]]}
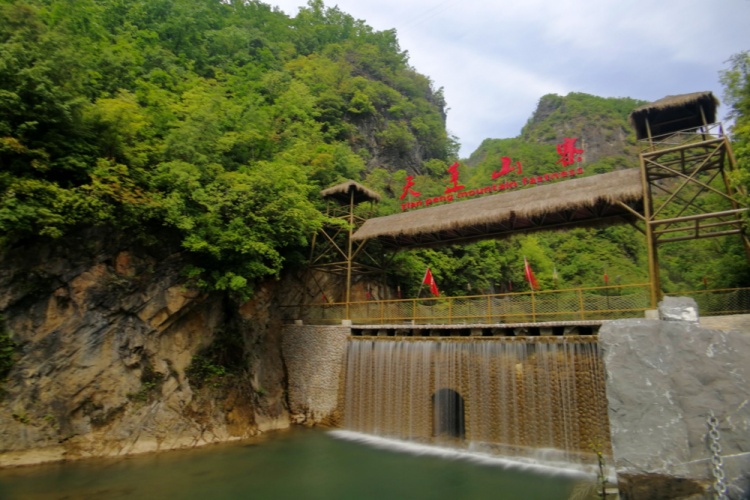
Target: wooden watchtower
{"points": [[333, 250], [684, 155]]}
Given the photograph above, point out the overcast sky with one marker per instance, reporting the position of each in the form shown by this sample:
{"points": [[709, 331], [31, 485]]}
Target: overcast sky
{"points": [[495, 59]]}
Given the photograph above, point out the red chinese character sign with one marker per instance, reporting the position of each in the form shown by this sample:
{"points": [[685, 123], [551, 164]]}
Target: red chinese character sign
{"points": [[569, 153], [508, 177], [507, 168], [455, 186], [408, 188]]}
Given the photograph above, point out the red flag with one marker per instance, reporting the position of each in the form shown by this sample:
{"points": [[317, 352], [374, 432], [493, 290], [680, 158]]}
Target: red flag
{"points": [[606, 279], [430, 281], [530, 275]]}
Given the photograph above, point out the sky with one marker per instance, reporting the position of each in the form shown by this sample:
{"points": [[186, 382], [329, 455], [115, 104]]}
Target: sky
{"points": [[496, 59]]}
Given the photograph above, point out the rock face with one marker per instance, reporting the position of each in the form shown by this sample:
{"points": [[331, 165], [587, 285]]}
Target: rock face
{"points": [[105, 333], [664, 380], [599, 123]]}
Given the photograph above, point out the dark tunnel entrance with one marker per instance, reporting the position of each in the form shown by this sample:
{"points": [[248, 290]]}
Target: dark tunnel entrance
{"points": [[448, 414]]}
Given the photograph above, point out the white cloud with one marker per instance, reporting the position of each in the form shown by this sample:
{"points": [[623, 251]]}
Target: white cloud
{"points": [[496, 59]]}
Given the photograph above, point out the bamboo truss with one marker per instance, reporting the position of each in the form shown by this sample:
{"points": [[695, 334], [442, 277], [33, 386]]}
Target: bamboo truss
{"points": [[333, 250], [679, 170]]}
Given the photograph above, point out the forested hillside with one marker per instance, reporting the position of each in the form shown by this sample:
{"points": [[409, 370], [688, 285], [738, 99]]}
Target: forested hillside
{"points": [[580, 257], [209, 125]]}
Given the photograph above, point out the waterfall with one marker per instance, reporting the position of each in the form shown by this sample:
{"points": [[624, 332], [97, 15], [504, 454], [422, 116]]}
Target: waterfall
{"points": [[541, 398]]}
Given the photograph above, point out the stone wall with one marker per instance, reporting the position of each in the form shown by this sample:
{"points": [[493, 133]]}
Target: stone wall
{"points": [[314, 357], [664, 378]]}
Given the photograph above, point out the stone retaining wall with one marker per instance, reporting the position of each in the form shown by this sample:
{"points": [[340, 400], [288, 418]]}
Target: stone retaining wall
{"points": [[314, 357]]}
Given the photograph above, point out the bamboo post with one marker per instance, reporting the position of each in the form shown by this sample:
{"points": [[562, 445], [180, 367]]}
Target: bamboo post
{"points": [[349, 253], [580, 304], [653, 256]]}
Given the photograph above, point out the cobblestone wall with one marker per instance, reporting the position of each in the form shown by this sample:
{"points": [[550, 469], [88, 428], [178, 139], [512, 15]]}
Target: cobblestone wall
{"points": [[314, 358]]}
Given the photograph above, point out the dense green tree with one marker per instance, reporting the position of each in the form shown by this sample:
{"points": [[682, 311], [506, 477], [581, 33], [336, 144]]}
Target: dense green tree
{"points": [[736, 82], [221, 121], [218, 120]]}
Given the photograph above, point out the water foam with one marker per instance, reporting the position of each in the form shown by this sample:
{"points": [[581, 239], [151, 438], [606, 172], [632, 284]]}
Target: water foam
{"points": [[573, 470]]}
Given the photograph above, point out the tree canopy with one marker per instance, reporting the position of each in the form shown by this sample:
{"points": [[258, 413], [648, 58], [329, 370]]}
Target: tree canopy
{"points": [[215, 123], [212, 122]]}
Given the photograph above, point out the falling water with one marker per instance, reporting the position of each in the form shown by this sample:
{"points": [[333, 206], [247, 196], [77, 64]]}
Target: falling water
{"points": [[542, 399]]}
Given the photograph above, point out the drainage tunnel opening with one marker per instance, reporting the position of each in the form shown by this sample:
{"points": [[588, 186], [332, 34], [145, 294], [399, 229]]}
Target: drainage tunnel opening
{"points": [[448, 414]]}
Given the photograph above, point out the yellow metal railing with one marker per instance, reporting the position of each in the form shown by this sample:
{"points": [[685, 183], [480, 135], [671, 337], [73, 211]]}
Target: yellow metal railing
{"points": [[596, 303]]}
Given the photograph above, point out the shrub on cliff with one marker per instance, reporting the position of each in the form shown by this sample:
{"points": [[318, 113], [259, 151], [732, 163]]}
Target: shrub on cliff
{"points": [[7, 351]]}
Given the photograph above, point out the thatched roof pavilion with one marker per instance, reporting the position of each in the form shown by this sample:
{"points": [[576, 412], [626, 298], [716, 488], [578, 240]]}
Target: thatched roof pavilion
{"points": [[581, 201], [343, 192], [674, 113]]}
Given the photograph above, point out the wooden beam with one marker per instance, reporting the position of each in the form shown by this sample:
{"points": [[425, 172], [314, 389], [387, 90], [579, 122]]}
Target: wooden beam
{"points": [[697, 217]]}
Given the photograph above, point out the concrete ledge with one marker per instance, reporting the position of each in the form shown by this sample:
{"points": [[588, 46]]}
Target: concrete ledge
{"points": [[735, 323]]}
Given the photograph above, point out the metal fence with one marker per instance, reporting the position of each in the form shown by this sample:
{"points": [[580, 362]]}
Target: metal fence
{"points": [[612, 302], [597, 303], [720, 302]]}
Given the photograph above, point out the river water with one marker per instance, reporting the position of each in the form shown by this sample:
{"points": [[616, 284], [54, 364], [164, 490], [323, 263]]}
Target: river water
{"points": [[299, 464]]}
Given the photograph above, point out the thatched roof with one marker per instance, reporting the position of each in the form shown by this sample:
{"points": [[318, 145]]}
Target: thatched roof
{"points": [[674, 113], [342, 193], [580, 201]]}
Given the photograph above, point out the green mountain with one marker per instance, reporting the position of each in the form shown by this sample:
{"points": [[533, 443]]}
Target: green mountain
{"points": [[605, 141], [211, 124], [599, 126]]}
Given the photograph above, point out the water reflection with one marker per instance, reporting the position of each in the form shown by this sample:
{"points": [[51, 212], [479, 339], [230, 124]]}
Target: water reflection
{"points": [[300, 464]]}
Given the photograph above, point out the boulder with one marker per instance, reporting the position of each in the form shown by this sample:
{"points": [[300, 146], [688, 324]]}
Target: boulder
{"points": [[664, 379]]}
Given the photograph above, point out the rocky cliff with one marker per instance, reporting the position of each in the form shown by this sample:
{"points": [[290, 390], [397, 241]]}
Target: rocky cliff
{"points": [[600, 124], [115, 353]]}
